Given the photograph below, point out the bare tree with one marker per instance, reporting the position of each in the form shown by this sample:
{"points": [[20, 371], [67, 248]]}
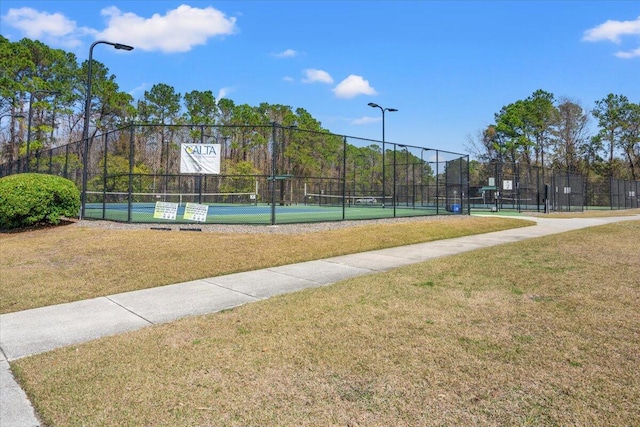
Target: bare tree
{"points": [[570, 134]]}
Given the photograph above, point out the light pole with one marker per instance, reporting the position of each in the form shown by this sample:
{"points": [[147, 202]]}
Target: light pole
{"points": [[31, 94], [383, 110], [85, 129]]}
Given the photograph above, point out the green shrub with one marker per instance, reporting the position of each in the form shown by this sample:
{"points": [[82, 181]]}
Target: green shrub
{"points": [[30, 198]]}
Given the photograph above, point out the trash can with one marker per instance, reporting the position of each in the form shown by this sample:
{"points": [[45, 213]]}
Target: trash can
{"points": [[456, 209]]}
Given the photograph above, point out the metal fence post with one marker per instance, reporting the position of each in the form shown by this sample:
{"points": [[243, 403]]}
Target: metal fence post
{"points": [[468, 186], [131, 166], [344, 175], [437, 182], [273, 172], [104, 179], [66, 160], [394, 180]]}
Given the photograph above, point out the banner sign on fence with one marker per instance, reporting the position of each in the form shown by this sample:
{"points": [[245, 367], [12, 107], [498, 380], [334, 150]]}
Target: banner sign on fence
{"points": [[196, 212], [165, 210], [200, 158]]}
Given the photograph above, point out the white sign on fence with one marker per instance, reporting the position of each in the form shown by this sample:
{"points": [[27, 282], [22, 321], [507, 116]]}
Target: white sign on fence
{"points": [[200, 158], [196, 212], [165, 210]]}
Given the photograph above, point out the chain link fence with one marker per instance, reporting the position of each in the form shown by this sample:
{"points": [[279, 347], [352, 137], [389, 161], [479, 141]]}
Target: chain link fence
{"points": [[267, 175], [506, 185]]}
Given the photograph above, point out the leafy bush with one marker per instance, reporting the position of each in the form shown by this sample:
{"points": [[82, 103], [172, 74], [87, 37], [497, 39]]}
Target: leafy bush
{"points": [[30, 198]]}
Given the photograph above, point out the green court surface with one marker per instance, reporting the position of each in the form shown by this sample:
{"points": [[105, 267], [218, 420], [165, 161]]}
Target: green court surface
{"points": [[258, 214]]}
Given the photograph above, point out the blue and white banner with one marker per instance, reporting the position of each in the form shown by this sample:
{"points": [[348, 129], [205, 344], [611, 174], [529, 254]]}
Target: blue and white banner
{"points": [[200, 158]]}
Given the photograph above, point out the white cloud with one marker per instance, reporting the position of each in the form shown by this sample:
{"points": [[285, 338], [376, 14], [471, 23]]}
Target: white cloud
{"points": [[38, 24], [288, 79], [365, 120], [353, 86], [612, 31], [51, 28], [316, 76], [223, 92], [289, 53], [179, 30], [630, 54], [139, 89]]}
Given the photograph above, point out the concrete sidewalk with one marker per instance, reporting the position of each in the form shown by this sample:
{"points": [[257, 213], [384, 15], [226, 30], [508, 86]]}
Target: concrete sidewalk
{"points": [[39, 330]]}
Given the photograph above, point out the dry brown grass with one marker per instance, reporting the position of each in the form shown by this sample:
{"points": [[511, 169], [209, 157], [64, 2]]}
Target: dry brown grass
{"points": [[541, 332], [71, 263], [590, 214]]}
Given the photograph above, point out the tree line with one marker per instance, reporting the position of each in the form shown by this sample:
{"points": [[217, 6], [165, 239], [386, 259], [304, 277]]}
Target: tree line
{"points": [[49, 86], [544, 131]]}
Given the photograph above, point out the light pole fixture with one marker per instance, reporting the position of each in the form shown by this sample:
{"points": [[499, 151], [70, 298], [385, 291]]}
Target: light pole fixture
{"points": [[87, 113], [383, 110], [31, 95]]}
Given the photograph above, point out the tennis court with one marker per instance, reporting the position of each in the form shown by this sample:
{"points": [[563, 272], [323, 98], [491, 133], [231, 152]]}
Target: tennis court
{"points": [[244, 208], [255, 174]]}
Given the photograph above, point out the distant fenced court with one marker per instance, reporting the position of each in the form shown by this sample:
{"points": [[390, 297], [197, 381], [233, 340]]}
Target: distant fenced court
{"points": [[512, 186], [254, 175]]}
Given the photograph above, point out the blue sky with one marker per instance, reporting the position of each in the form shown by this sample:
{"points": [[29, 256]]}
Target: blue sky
{"points": [[448, 67]]}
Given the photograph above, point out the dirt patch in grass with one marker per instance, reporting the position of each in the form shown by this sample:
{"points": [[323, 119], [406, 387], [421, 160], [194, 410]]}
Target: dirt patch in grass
{"points": [[540, 332]]}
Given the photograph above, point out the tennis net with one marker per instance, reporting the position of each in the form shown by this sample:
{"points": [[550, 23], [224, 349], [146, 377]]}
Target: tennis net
{"points": [[351, 201], [149, 199]]}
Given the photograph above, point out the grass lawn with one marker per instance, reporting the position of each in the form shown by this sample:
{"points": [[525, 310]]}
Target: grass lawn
{"points": [[601, 213], [540, 332], [71, 263], [590, 213]]}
